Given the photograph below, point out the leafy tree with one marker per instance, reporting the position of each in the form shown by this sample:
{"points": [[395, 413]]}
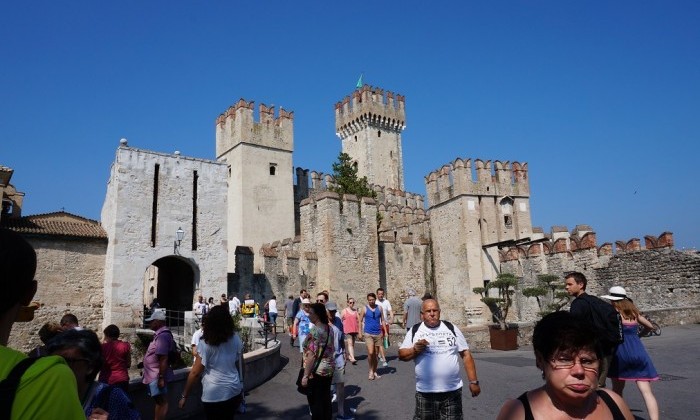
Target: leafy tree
{"points": [[347, 181], [549, 292], [499, 306]]}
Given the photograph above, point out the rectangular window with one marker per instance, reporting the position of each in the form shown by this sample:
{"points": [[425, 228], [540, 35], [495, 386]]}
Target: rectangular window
{"points": [[195, 178], [154, 206]]}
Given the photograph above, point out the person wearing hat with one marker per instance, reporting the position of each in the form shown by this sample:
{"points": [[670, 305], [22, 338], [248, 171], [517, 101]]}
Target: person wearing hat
{"points": [[302, 323], [631, 362], [156, 370]]}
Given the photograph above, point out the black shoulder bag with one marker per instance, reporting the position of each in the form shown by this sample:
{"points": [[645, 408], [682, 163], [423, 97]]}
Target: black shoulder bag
{"points": [[305, 389]]}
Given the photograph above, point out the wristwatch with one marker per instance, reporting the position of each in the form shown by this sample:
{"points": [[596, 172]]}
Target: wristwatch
{"points": [[474, 382]]}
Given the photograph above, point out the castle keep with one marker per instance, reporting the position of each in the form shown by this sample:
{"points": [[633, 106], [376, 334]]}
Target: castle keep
{"points": [[174, 227]]}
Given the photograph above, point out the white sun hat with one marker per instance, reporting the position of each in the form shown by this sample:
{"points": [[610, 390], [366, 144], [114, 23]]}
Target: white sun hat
{"points": [[616, 293]]}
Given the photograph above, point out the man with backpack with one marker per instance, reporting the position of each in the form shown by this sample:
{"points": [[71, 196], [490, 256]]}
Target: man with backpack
{"points": [[600, 314], [156, 364], [437, 347]]}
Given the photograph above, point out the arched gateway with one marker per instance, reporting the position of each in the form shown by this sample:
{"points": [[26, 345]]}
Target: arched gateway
{"points": [[172, 280]]}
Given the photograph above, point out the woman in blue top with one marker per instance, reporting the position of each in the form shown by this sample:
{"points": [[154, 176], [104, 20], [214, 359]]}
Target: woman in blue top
{"points": [[371, 319]]}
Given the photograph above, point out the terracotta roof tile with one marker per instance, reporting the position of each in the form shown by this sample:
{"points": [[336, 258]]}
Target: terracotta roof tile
{"points": [[56, 224]]}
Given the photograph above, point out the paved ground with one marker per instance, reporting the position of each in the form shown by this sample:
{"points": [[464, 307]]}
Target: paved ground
{"points": [[676, 355]]}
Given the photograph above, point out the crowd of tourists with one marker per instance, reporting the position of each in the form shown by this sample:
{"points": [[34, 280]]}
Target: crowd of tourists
{"points": [[73, 375]]}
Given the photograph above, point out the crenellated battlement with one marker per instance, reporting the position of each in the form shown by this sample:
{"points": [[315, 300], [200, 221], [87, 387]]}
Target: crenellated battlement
{"points": [[309, 183], [238, 125], [582, 238], [483, 178], [370, 106]]}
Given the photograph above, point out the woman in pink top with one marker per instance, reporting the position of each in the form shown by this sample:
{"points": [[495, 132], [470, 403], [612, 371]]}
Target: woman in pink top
{"points": [[351, 322], [117, 356]]}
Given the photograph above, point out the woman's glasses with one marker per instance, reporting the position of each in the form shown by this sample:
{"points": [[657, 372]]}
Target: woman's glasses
{"points": [[566, 362], [352, 302]]}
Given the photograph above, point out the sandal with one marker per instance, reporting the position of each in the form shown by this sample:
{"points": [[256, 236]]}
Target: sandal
{"points": [[371, 377]]}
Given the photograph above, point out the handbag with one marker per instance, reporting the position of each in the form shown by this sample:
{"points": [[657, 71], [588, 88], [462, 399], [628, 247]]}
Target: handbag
{"points": [[305, 389]]}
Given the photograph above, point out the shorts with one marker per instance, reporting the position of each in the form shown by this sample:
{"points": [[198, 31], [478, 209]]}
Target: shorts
{"points": [[373, 340], [338, 376], [154, 391]]}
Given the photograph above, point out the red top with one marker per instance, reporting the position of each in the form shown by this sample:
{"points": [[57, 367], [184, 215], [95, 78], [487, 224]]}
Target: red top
{"points": [[117, 355], [349, 318]]}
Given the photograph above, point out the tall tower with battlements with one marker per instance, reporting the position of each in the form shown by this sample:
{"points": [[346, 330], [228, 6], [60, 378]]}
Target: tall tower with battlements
{"points": [[369, 123], [260, 179], [475, 209]]}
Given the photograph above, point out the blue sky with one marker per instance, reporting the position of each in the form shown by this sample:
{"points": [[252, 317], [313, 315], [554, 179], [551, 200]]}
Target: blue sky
{"points": [[601, 98]]}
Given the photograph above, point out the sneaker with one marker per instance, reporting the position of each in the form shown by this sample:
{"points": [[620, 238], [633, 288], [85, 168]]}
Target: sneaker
{"points": [[385, 363], [335, 397]]}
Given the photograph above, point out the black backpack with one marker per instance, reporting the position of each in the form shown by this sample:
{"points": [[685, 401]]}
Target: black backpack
{"points": [[447, 324], [606, 320], [175, 360], [9, 385]]}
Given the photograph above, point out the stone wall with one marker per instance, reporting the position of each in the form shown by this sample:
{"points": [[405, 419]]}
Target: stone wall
{"points": [[69, 276], [656, 276], [140, 237]]}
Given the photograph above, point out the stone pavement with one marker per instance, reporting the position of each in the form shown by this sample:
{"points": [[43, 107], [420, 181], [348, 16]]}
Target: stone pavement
{"points": [[676, 355]]}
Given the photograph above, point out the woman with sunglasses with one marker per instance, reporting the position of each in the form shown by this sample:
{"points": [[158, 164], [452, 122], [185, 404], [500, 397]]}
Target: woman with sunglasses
{"points": [[351, 322], [319, 363], [82, 351], [567, 352]]}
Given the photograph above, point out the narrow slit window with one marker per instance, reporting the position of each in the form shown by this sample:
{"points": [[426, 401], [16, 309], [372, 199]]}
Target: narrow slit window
{"points": [[154, 206], [195, 178], [273, 169]]}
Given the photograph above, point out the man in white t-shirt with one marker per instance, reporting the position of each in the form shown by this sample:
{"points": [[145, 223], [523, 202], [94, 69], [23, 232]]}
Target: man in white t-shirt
{"points": [[437, 347], [200, 307], [388, 313], [234, 305], [195, 342]]}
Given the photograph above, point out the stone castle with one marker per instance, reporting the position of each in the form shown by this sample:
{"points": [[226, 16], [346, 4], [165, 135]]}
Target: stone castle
{"points": [[252, 223]]}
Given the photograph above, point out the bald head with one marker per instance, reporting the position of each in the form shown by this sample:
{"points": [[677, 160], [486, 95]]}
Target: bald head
{"points": [[430, 310]]}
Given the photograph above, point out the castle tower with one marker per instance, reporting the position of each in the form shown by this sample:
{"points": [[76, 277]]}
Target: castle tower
{"points": [[474, 210], [260, 180], [370, 124]]}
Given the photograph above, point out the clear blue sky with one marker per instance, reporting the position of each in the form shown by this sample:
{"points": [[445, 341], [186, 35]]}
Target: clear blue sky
{"points": [[601, 98]]}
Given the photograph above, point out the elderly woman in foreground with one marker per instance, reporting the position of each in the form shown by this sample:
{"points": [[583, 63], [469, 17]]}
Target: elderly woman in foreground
{"points": [[83, 353], [567, 353]]}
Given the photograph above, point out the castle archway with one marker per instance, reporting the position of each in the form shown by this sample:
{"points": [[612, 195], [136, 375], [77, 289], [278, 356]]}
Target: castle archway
{"points": [[171, 280]]}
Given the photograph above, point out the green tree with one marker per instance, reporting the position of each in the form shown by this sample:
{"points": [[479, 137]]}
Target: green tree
{"points": [[549, 292], [347, 181], [505, 284]]}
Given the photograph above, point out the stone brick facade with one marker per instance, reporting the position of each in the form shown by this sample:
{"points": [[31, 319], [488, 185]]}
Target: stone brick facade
{"points": [[70, 274]]}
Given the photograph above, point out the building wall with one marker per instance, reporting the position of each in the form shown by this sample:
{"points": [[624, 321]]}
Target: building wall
{"points": [[69, 275], [344, 242], [370, 125], [467, 223], [127, 218], [260, 204], [656, 276]]}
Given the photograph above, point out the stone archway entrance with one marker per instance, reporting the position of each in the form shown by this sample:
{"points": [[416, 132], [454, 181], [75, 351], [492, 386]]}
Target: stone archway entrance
{"points": [[171, 280]]}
